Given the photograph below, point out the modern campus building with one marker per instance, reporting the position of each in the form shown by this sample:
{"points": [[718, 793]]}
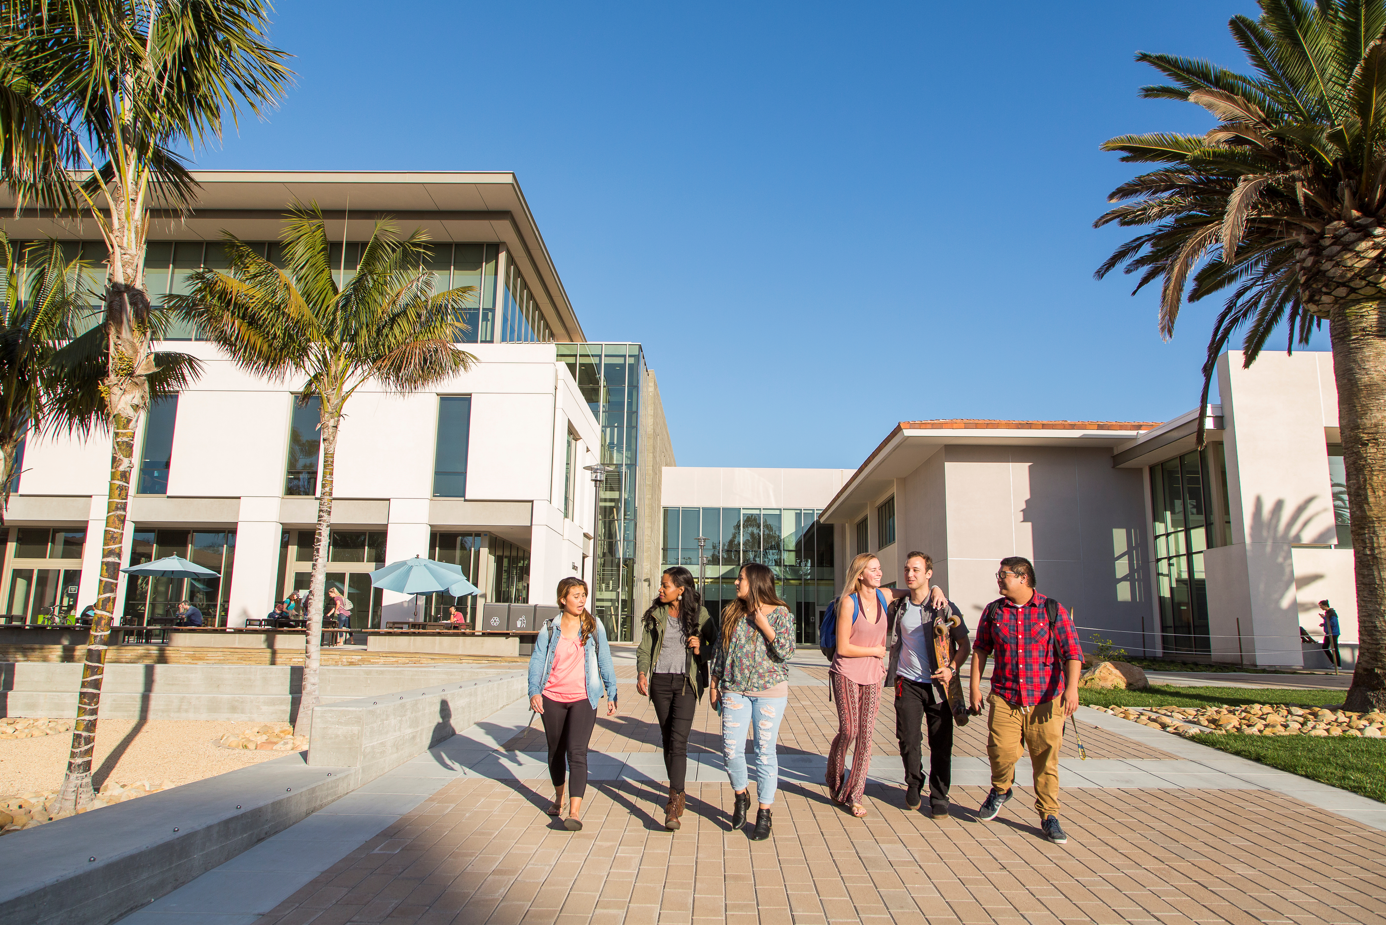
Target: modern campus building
{"points": [[1159, 547], [485, 470]]}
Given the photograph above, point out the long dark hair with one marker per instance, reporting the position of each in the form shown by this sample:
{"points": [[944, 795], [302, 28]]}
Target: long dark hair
{"points": [[761, 588], [690, 602]]}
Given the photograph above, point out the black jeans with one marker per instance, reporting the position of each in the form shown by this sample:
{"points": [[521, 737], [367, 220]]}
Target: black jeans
{"points": [[674, 706], [568, 728], [1330, 648], [915, 705]]}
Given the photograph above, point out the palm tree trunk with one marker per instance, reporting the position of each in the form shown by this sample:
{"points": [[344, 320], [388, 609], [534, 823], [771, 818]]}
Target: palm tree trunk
{"points": [[317, 585], [77, 788], [10, 451], [1359, 362]]}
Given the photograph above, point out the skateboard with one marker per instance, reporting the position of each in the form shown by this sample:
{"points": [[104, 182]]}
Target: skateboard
{"points": [[953, 692]]}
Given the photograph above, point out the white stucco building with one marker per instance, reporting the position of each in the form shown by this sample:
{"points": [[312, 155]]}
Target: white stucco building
{"points": [[485, 469]]}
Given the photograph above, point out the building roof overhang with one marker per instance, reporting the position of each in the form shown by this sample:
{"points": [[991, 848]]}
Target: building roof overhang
{"points": [[1173, 438], [462, 206], [911, 443]]}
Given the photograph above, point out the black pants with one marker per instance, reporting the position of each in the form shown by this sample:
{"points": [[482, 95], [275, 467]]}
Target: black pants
{"points": [[674, 706], [1330, 648], [915, 705], [568, 727]]}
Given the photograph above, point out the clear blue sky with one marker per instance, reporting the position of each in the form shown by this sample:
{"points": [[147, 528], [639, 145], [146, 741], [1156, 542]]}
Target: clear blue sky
{"points": [[820, 219]]}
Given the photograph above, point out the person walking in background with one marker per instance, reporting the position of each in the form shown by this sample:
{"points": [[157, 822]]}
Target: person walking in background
{"points": [[1034, 688], [669, 665], [341, 609], [1329, 618], [568, 671], [920, 682], [750, 685]]}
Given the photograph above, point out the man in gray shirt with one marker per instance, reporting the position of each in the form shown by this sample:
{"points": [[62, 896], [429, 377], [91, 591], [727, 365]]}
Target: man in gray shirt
{"points": [[919, 683]]}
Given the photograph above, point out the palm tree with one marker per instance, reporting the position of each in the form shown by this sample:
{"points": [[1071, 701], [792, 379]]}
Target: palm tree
{"points": [[94, 97], [1281, 207], [383, 323]]}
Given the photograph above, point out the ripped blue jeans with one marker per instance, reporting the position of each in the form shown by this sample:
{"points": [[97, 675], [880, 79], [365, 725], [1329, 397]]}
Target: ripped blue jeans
{"points": [[763, 715]]}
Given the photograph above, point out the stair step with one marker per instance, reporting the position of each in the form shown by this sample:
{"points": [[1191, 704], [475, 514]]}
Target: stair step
{"points": [[198, 655]]}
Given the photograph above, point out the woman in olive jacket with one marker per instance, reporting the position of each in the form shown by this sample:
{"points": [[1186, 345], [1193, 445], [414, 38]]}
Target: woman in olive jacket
{"points": [[678, 636]]}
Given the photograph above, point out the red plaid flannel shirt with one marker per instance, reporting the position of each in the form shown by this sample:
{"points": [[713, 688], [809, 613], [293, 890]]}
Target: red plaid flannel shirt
{"points": [[1024, 670]]}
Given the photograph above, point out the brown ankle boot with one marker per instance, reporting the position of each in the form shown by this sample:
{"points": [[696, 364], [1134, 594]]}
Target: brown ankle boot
{"points": [[673, 809]]}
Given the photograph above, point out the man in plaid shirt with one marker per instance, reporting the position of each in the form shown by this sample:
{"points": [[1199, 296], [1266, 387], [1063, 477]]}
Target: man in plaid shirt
{"points": [[1034, 669]]}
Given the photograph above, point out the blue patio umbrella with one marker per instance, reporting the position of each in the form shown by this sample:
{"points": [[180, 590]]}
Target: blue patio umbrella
{"points": [[169, 567], [423, 576]]}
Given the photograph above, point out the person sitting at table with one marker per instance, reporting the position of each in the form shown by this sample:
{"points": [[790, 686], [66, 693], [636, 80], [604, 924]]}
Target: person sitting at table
{"points": [[456, 617], [188, 615], [88, 615], [292, 606], [279, 617]]}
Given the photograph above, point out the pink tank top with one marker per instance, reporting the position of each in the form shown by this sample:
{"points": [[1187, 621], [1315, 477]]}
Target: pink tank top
{"points": [[868, 670], [568, 678]]}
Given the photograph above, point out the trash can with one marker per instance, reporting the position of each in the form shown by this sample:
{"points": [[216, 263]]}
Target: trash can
{"points": [[495, 618], [521, 618]]}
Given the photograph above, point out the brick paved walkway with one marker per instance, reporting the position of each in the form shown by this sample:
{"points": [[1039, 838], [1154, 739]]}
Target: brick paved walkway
{"points": [[1161, 830]]}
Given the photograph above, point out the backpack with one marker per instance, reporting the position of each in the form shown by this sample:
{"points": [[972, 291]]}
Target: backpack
{"points": [[1051, 610], [827, 630]]}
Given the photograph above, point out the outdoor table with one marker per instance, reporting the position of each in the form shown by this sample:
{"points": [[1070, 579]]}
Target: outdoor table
{"points": [[403, 624]]}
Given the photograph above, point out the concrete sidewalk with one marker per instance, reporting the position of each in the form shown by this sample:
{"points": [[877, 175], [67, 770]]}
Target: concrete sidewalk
{"points": [[1161, 829]]}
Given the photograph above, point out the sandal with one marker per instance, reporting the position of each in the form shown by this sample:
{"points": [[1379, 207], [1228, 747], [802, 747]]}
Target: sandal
{"points": [[555, 808], [858, 810]]}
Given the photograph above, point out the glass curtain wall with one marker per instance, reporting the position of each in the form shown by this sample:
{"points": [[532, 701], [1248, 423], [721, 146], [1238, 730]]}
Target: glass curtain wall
{"points": [[305, 444], [169, 264], [791, 541], [155, 600], [43, 573], [1183, 529], [1337, 479], [468, 550], [521, 320], [351, 556], [157, 456], [610, 377]]}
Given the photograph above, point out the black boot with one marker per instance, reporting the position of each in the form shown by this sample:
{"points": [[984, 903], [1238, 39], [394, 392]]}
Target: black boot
{"points": [[762, 830], [743, 804]]}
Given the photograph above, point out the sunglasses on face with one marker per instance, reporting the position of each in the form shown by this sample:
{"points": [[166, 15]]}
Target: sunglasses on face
{"points": [[1001, 575]]}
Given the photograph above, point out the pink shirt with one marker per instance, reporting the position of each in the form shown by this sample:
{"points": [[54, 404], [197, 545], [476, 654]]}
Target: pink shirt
{"points": [[866, 670], [568, 678]]}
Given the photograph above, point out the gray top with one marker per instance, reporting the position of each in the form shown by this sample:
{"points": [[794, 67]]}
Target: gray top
{"points": [[673, 649], [914, 643]]}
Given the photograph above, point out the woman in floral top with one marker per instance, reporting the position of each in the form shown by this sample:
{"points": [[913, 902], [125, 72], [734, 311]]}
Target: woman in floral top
{"points": [[750, 681]]}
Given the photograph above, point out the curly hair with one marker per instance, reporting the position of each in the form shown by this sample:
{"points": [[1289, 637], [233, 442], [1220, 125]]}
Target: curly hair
{"points": [[689, 603]]}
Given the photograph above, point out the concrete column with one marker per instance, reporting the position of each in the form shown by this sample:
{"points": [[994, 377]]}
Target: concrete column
{"points": [[91, 553], [406, 536], [258, 536]]}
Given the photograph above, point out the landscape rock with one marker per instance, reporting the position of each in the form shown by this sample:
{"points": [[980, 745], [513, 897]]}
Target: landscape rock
{"points": [[1104, 676]]}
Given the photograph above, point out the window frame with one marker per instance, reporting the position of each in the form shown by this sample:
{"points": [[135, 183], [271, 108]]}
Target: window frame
{"points": [[885, 523]]}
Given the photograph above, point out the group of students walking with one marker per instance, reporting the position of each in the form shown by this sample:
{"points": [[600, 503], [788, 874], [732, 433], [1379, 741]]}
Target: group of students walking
{"points": [[913, 641]]}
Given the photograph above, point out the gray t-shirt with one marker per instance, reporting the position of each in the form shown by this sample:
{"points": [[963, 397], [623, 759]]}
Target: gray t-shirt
{"points": [[672, 649], [914, 643]]}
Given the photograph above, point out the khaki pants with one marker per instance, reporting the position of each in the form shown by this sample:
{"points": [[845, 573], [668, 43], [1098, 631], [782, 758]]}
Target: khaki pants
{"points": [[1040, 730]]}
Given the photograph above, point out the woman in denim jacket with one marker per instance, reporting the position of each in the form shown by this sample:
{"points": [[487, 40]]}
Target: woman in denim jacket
{"points": [[568, 669], [750, 679]]}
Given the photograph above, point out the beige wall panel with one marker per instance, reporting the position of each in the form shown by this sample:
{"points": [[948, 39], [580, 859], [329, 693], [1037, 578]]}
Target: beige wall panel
{"points": [[983, 517], [210, 452], [921, 517], [386, 445], [1045, 481], [1326, 573]]}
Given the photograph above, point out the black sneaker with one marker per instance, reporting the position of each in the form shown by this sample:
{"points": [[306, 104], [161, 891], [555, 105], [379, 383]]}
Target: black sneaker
{"points": [[1053, 831], [939, 810], [912, 799], [992, 805]]}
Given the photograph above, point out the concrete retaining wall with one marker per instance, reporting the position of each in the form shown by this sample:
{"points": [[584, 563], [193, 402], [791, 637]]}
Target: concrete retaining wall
{"points": [[262, 693], [378, 733], [444, 643], [212, 639]]}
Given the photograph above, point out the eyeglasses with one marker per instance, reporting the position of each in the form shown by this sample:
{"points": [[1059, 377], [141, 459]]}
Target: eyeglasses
{"points": [[1001, 575]]}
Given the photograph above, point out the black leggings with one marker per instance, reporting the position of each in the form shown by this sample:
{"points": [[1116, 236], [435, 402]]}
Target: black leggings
{"points": [[674, 706], [568, 727]]}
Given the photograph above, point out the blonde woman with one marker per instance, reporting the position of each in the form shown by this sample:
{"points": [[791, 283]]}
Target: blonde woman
{"points": [[750, 679], [568, 669], [857, 670]]}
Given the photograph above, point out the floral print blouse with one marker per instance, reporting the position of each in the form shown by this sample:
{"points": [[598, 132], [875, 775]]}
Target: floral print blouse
{"points": [[747, 663]]}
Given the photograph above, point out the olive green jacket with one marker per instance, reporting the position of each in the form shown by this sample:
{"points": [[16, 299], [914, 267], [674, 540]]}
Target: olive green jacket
{"points": [[647, 654]]}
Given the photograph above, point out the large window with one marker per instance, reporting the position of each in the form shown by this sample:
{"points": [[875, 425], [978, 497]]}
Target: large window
{"points": [[150, 600], [301, 469], [450, 456], [43, 573], [796, 546], [569, 473], [1182, 530], [521, 320], [1337, 479], [351, 556], [468, 550], [157, 456], [885, 523], [863, 543]]}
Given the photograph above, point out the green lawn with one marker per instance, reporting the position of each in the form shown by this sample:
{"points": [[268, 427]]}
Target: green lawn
{"points": [[1168, 696], [1354, 764]]}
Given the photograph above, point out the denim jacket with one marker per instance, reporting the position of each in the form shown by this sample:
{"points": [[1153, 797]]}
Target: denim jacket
{"points": [[600, 672]]}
